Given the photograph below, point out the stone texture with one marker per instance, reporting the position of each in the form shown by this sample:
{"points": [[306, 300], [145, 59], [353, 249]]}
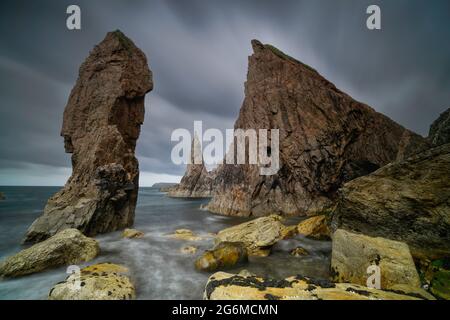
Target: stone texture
{"points": [[197, 182], [132, 234], [185, 235], [315, 228], [440, 129], [225, 286], [65, 248], [97, 282], [258, 235], [225, 255], [405, 201], [326, 139], [352, 254], [101, 124]]}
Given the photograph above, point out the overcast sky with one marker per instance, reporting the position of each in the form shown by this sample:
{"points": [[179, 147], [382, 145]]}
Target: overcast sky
{"points": [[197, 50]]}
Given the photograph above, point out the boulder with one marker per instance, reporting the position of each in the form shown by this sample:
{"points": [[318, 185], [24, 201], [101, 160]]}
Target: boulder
{"points": [[224, 255], [97, 282], [101, 125], [188, 250], [405, 201], [225, 286], [299, 252], [185, 235], [258, 235], [352, 254], [326, 138], [440, 129], [132, 234], [315, 228], [65, 248]]}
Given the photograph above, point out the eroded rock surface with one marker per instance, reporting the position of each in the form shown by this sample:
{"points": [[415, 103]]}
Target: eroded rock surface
{"points": [[352, 254], [405, 201], [65, 248], [101, 124], [315, 228], [225, 286], [326, 139], [97, 282], [440, 129]]}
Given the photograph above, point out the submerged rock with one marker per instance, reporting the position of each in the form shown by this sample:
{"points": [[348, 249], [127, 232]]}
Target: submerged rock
{"points": [[315, 228], [132, 234], [97, 282], [225, 286], [188, 250], [405, 201], [224, 255], [185, 235], [352, 254], [2, 196], [440, 129], [258, 235], [65, 248], [326, 139], [101, 124], [197, 182], [299, 252]]}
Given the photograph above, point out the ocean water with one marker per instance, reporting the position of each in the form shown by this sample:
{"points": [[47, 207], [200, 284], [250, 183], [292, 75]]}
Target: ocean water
{"points": [[158, 268]]}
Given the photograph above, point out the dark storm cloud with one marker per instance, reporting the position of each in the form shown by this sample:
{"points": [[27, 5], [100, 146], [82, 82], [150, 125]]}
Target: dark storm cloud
{"points": [[198, 50]]}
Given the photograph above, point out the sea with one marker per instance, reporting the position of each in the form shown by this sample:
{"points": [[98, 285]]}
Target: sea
{"points": [[157, 267]]}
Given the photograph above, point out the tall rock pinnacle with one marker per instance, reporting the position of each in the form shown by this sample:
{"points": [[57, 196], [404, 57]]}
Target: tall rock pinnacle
{"points": [[326, 139], [101, 124]]}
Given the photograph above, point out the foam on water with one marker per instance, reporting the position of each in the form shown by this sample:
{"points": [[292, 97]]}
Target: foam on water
{"points": [[158, 268]]}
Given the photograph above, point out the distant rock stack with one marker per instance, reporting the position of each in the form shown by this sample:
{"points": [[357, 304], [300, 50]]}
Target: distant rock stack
{"points": [[101, 124], [197, 182], [326, 139]]}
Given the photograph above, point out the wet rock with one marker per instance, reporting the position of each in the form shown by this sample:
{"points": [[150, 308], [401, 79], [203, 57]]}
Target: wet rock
{"points": [[2, 196], [225, 286], [405, 201], [440, 129], [132, 234], [326, 139], [97, 282], [352, 254], [440, 285], [185, 235], [224, 255], [101, 125], [299, 252], [315, 228], [188, 250], [65, 248], [289, 232], [258, 235]]}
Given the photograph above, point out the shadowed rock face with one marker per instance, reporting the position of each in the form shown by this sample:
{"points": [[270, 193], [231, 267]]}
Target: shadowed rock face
{"points": [[440, 129], [101, 124], [406, 201], [326, 139]]}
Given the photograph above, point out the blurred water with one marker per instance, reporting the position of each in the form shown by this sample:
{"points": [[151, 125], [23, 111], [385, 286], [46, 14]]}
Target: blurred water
{"points": [[158, 269]]}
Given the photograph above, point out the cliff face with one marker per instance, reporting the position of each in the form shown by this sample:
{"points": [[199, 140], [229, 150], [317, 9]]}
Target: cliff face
{"points": [[101, 125], [326, 139], [440, 129], [197, 182]]}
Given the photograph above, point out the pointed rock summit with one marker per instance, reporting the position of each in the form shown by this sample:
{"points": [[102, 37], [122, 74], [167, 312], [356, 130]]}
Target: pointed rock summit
{"points": [[101, 124], [197, 182], [326, 139]]}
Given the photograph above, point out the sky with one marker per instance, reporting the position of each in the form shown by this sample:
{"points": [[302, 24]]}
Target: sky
{"points": [[198, 51]]}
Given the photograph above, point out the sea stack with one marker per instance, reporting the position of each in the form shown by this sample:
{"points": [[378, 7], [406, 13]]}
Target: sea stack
{"points": [[326, 139], [101, 124]]}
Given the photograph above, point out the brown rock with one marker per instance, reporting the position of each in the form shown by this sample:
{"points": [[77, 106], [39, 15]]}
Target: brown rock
{"points": [[224, 255], [440, 129], [197, 182], [405, 201], [101, 125], [326, 139], [132, 234], [315, 228]]}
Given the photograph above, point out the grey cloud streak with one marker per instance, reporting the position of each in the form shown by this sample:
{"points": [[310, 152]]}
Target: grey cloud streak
{"points": [[198, 52]]}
